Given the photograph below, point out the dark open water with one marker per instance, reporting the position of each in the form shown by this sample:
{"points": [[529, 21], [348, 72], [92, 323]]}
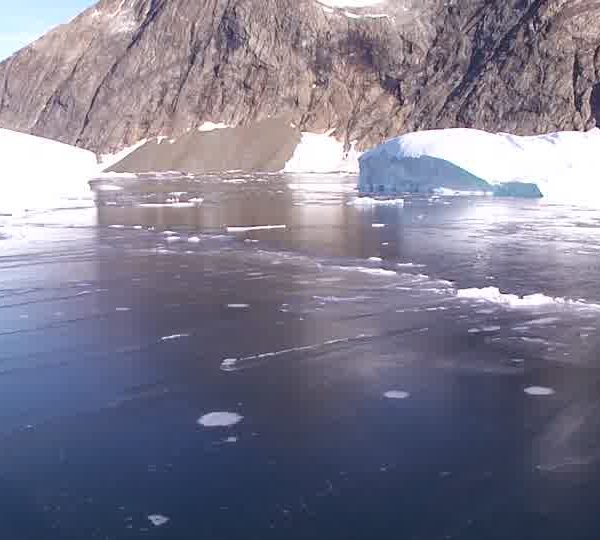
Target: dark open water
{"points": [[115, 324]]}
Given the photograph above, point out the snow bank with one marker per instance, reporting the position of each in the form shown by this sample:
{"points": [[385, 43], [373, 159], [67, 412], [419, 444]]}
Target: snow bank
{"points": [[40, 173], [563, 165], [322, 153]]}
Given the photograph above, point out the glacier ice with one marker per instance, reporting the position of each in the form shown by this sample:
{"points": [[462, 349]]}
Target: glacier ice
{"points": [[559, 166]]}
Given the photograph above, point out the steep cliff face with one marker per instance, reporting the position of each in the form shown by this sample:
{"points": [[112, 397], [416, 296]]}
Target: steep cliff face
{"points": [[129, 69]]}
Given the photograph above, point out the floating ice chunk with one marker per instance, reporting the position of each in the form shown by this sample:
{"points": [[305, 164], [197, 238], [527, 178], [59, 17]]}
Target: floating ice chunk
{"points": [[474, 331], [493, 294], [370, 201], [229, 364], [220, 419], [375, 259], [238, 306], [122, 309], [378, 225], [174, 337], [539, 391], [194, 240], [396, 394], [173, 239], [376, 271], [158, 520], [410, 265], [255, 228]]}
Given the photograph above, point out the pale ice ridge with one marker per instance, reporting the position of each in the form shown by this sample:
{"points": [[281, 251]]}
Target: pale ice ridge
{"points": [[236, 364]]}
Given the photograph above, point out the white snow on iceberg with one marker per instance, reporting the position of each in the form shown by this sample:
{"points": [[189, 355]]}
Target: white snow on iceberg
{"points": [[40, 173], [563, 165]]}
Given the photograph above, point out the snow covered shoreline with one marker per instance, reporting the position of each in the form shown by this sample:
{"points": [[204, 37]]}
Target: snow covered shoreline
{"points": [[41, 173]]}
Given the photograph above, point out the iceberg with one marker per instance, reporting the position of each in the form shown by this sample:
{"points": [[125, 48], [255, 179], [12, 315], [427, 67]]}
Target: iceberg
{"points": [[558, 166], [39, 173]]}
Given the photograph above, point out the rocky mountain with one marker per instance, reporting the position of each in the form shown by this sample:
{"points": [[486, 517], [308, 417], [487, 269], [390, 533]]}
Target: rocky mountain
{"points": [[130, 69]]}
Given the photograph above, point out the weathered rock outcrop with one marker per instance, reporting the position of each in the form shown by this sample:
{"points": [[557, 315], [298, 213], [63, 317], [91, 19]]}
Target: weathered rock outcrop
{"points": [[129, 69]]}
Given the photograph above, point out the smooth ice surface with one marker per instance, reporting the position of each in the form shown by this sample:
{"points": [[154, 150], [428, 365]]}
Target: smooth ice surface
{"points": [[563, 164], [220, 419]]}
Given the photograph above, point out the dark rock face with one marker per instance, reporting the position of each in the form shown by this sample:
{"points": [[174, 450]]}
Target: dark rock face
{"points": [[129, 69]]}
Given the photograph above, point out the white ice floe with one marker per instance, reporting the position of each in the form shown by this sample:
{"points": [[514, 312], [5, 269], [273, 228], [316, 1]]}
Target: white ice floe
{"points": [[396, 394], [322, 153], [255, 228], [220, 419], [539, 391], [228, 364], [375, 259], [370, 201], [493, 295], [563, 165], [174, 337], [374, 271], [238, 306], [193, 240], [158, 520], [378, 225]]}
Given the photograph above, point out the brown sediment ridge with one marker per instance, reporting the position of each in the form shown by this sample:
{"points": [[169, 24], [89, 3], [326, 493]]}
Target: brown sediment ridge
{"points": [[264, 146]]}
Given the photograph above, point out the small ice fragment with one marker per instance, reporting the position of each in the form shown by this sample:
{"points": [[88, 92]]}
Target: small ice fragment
{"points": [[169, 233], [474, 331], [220, 419], [173, 239], [491, 328], [396, 394], [194, 240], [228, 364], [375, 259], [539, 391], [173, 337], [238, 306], [157, 520], [256, 228], [116, 226], [517, 360], [378, 225], [122, 309]]}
